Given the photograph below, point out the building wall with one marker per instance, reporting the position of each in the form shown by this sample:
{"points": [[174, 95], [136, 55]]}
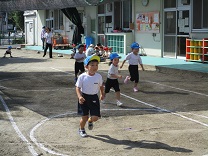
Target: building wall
{"points": [[90, 14], [40, 22], [152, 46], [30, 18]]}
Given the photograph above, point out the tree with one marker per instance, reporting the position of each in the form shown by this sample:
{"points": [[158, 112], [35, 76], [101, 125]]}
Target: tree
{"points": [[17, 19]]}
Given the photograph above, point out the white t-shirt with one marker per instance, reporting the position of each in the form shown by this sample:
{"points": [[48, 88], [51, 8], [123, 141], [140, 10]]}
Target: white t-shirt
{"points": [[112, 70], [134, 59], [79, 56], [89, 84], [48, 37], [89, 51]]}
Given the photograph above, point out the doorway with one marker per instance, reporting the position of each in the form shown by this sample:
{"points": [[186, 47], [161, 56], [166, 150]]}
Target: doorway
{"points": [[176, 28], [29, 33]]}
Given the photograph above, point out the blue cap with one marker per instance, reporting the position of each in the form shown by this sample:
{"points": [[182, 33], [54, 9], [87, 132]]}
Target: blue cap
{"points": [[90, 58], [135, 45], [9, 47], [114, 55]]}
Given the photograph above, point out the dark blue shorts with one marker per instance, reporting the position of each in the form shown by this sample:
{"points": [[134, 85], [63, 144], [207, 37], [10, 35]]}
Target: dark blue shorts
{"points": [[112, 83], [134, 73], [91, 106], [79, 66]]}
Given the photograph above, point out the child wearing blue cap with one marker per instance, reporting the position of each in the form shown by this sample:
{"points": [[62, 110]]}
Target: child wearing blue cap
{"points": [[112, 77], [134, 59], [88, 85], [8, 51]]}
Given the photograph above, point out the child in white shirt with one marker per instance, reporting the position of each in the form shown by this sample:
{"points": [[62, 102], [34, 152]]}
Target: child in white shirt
{"points": [[134, 59]]}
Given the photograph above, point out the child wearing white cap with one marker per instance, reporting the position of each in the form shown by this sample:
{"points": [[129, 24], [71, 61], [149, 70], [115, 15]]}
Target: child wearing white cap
{"points": [[134, 59]]}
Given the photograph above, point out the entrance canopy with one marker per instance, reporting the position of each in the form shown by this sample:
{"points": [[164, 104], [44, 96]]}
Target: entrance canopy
{"points": [[23, 5]]}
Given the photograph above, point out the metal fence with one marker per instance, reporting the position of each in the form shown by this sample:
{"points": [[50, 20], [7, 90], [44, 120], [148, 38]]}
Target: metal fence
{"points": [[11, 38]]}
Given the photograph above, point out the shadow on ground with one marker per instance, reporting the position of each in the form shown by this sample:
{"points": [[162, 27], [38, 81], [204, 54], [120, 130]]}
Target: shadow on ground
{"points": [[139, 144]]}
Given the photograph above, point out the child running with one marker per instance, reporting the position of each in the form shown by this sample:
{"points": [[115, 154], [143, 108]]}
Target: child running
{"points": [[87, 87], [79, 61], [112, 77], [134, 59]]}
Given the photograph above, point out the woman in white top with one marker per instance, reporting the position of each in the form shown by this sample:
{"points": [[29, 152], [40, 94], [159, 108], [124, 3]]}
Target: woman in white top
{"points": [[49, 42]]}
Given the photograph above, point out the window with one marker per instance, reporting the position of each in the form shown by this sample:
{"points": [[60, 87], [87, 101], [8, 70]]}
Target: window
{"points": [[122, 14], [169, 3], [58, 19], [127, 14], [101, 9], [200, 12], [117, 15]]}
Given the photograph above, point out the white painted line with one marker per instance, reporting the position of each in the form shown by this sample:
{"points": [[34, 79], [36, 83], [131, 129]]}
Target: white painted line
{"points": [[165, 110], [32, 135], [127, 109], [178, 88], [61, 71], [29, 145], [203, 116]]}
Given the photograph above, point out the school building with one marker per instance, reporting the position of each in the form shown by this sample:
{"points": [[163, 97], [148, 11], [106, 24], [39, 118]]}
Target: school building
{"points": [[159, 26]]}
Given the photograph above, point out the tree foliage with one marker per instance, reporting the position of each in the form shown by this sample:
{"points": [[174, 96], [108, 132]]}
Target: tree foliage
{"points": [[17, 19]]}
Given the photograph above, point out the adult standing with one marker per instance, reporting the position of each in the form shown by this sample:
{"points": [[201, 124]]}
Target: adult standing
{"points": [[42, 36], [49, 41]]}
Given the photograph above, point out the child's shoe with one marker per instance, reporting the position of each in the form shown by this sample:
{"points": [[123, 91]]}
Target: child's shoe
{"points": [[119, 103], [90, 124], [135, 89], [126, 79], [82, 133], [102, 101]]}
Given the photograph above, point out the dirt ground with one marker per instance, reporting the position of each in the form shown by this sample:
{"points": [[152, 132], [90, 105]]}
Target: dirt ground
{"points": [[38, 111]]}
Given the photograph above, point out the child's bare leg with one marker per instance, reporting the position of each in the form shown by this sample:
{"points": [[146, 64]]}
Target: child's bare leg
{"points": [[93, 119], [83, 121], [118, 96], [135, 84]]}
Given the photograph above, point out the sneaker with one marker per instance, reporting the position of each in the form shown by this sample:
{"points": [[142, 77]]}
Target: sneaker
{"points": [[102, 101], [126, 79], [119, 103], [82, 133], [135, 89], [90, 125]]}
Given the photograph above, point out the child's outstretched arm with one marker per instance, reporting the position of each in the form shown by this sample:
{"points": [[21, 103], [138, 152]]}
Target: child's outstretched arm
{"points": [[79, 95], [116, 76], [122, 63]]}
